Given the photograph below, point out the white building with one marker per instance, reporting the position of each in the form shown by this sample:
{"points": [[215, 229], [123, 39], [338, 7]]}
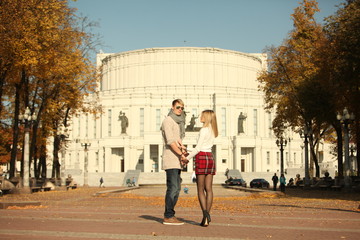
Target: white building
{"points": [[141, 85]]}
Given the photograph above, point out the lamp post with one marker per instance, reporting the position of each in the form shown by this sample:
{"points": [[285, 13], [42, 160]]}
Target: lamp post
{"points": [[345, 119], [27, 118], [281, 142], [305, 135], [86, 144]]}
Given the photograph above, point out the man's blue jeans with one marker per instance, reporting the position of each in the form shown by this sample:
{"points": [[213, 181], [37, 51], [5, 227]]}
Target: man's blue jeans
{"points": [[173, 184]]}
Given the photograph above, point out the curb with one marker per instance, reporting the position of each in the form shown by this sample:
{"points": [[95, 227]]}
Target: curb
{"points": [[116, 190]]}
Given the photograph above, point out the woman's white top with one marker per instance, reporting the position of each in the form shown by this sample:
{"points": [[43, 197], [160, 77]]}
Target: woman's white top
{"points": [[205, 142]]}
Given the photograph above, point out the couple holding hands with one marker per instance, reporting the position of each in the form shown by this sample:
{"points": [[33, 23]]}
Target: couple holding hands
{"points": [[175, 156]]}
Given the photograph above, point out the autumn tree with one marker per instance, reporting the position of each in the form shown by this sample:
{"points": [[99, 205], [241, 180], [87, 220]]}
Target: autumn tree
{"points": [[49, 71], [343, 31], [290, 84]]}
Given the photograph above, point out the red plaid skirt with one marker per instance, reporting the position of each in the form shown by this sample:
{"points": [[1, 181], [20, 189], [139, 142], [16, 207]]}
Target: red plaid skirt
{"points": [[204, 163]]}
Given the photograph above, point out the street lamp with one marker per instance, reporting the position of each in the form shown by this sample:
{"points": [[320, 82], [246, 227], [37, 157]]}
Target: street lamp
{"points": [[27, 118], [346, 119], [281, 142], [86, 144], [305, 135]]}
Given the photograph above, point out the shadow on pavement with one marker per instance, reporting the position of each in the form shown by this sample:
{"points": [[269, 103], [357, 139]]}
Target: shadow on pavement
{"points": [[294, 206], [160, 220], [323, 194]]}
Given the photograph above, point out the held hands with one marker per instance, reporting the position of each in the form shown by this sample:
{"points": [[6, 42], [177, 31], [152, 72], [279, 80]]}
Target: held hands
{"points": [[183, 160]]}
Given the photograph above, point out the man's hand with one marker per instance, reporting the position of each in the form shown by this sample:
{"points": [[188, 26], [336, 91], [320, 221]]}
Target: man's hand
{"points": [[183, 160]]}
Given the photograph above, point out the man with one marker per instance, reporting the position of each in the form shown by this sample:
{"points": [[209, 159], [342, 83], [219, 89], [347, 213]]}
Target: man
{"points": [[275, 180], [173, 131]]}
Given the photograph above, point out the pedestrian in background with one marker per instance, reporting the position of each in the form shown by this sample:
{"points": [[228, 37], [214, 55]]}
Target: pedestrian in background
{"points": [[205, 167], [282, 182], [275, 180], [101, 182]]}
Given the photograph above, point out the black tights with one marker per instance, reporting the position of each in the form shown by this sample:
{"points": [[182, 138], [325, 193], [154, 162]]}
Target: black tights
{"points": [[204, 189]]}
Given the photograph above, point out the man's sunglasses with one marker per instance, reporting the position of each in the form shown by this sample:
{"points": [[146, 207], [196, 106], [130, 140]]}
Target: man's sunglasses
{"points": [[178, 107]]}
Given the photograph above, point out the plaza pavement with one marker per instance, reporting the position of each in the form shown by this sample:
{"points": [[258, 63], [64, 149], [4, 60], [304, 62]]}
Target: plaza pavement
{"points": [[136, 213]]}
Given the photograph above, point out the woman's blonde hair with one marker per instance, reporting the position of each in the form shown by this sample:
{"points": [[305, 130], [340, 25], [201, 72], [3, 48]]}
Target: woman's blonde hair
{"points": [[210, 119]]}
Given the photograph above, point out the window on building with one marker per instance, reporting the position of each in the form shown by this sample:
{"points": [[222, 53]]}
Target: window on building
{"points": [[141, 122], [109, 122], [255, 122], [223, 122], [158, 119], [97, 158], [94, 126], [79, 125], [268, 157], [224, 161], [70, 162], [86, 125], [294, 157], [277, 158], [270, 124]]}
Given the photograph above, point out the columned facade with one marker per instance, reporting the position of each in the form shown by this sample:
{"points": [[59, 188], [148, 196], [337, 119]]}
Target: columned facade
{"points": [[136, 92]]}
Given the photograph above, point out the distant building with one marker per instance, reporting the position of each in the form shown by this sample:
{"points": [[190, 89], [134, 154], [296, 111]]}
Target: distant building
{"points": [[136, 92]]}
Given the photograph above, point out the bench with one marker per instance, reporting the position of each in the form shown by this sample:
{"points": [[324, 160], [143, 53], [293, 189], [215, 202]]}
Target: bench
{"points": [[71, 186], [45, 189], [4, 191], [35, 189], [335, 188], [40, 189]]}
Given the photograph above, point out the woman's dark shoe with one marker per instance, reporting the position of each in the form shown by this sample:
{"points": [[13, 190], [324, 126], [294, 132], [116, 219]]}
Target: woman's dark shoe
{"points": [[208, 216], [206, 219], [204, 222]]}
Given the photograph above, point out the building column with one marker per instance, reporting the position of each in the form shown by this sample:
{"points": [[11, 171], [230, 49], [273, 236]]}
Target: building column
{"points": [[127, 157], [218, 156], [101, 160], [133, 157], [107, 159], [237, 159], [147, 160]]}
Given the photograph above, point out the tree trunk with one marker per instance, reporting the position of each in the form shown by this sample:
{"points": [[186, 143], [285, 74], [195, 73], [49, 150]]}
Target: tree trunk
{"points": [[15, 131], [42, 164], [33, 149], [357, 129], [339, 151], [56, 163], [2, 82]]}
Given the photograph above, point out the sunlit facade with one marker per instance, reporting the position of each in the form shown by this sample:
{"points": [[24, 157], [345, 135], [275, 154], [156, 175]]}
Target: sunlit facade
{"points": [[136, 92]]}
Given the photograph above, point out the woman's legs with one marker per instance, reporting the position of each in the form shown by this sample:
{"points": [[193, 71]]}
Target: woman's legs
{"points": [[205, 192], [200, 182], [205, 196], [209, 191]]}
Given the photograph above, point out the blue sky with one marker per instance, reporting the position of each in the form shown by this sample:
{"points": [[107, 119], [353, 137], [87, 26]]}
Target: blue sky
{"points": [[242, 25]]}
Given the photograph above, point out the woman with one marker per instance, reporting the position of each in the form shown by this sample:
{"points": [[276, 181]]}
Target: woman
{"points": [[204, 163]]}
